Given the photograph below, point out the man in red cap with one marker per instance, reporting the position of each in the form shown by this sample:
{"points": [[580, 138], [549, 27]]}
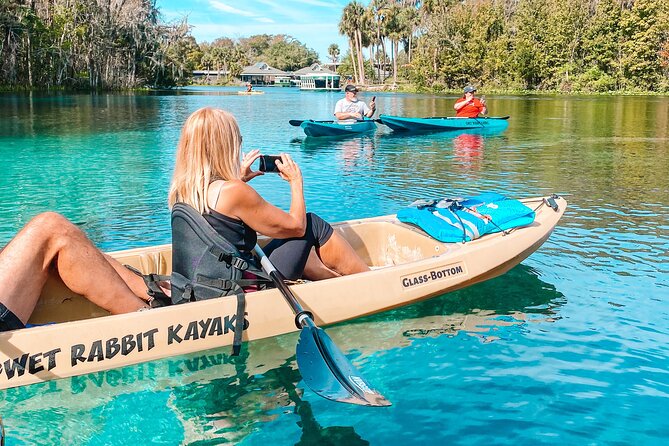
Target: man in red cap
{"points": [[468, 106]]}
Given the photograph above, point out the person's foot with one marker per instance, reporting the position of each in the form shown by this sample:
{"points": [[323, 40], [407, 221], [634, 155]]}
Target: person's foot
{"points": [[165, 286]]}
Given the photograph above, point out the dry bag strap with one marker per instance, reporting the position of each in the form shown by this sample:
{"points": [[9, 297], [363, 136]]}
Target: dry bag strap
{"points": [[234, 286], [239, 324], [157, 295]]}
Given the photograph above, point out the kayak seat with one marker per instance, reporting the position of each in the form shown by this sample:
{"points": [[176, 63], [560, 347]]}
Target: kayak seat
{"points": [[205, 265]]}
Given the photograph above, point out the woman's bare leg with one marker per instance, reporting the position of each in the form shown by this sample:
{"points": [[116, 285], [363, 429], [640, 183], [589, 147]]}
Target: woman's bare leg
{"points": [[316, 270], [338, 255], [51, 240]]}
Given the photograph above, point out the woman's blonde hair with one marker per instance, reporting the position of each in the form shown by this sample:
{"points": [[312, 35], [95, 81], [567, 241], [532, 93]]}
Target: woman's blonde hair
{"points": [[209, 149]]}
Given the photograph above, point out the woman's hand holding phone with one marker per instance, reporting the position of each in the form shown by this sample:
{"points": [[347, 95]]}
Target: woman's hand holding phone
{"points": [[283, 165], [288, 169], [247, 160]]}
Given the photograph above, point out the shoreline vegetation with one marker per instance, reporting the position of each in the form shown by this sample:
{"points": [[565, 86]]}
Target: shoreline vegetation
{"points": [[618, 47]]}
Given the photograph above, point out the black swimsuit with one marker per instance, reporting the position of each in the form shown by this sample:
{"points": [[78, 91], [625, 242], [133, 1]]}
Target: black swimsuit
{"points": [[289, 256], [233, 230]]}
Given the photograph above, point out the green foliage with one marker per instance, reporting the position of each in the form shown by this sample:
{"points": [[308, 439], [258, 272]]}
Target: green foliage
{"points": [[602, 44], [334, 52], [255, 46], [231, 56], [595, 81], [289, 54], [644, 31], [345, 69], [90, 44], [553, 45]]}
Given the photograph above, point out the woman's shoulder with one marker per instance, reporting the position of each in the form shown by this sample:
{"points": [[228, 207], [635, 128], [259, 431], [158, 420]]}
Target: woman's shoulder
{"points": [[235, 190], [233, 196], [230, 184]]}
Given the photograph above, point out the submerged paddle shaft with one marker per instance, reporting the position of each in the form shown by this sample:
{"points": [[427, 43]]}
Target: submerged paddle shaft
{"points": [[323, 366]]}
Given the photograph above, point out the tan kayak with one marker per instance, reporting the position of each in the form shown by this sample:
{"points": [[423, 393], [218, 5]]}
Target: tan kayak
{"points": [[250, 92], [407, 266]]}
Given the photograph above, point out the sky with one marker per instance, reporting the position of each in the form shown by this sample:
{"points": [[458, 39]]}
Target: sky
{"points": [[313, 22]]}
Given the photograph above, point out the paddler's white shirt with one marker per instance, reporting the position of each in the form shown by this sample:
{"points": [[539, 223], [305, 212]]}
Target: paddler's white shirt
{"points": [[346, 106]]}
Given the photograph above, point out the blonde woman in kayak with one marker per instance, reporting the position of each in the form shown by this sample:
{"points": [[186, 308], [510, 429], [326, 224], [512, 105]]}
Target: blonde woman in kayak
{"points": [[211, 176]]}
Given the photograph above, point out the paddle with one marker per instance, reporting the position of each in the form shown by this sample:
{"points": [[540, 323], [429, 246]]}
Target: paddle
{"points": [[323, 366], [298, 122]]}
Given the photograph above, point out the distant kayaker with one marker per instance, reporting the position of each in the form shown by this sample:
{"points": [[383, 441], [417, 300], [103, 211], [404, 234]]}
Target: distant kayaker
{"points": [[468, 106], [209, 176], [249, 87], [350, 109], [49, 245]]}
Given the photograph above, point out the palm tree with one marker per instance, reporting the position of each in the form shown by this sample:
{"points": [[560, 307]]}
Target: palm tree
{"points": [[333, 52], [362, 32], [367, 34], [393, 29], [347, 28], [410, 21], [378, 10], [352, 21]]}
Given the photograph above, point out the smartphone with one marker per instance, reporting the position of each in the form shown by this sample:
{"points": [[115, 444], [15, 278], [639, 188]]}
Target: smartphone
{"points": [[268, 163]]}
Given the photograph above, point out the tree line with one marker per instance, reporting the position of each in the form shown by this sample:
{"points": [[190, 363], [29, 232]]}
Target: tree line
{"points": [[555, 45], [121, 44], [92, 44], [231, 56], [552, 45]]}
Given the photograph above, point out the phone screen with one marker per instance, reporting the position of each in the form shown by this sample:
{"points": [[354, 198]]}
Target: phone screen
{"points": [[268, 163]]}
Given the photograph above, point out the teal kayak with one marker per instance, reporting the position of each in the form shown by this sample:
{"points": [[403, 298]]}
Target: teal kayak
{"points": [[333, 128], [402, 124]]}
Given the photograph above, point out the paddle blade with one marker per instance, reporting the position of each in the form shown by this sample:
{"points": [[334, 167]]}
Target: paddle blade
{"points": [[295, 122], [329, 373]]}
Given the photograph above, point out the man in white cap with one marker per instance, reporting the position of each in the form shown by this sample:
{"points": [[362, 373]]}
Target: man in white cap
{"points": [[468, 106], [350, 109]]}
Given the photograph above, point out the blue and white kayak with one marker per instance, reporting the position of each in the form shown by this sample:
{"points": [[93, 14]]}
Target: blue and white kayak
{"points": [[334, 128], [405, 124]]}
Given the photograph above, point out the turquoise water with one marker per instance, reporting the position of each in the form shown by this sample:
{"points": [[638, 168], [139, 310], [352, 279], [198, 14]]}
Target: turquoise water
{"points": [[570, 347]]}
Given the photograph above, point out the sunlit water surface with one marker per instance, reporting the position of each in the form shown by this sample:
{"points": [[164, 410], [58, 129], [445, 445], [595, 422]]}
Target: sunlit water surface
{"points": [[570, 347]]}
